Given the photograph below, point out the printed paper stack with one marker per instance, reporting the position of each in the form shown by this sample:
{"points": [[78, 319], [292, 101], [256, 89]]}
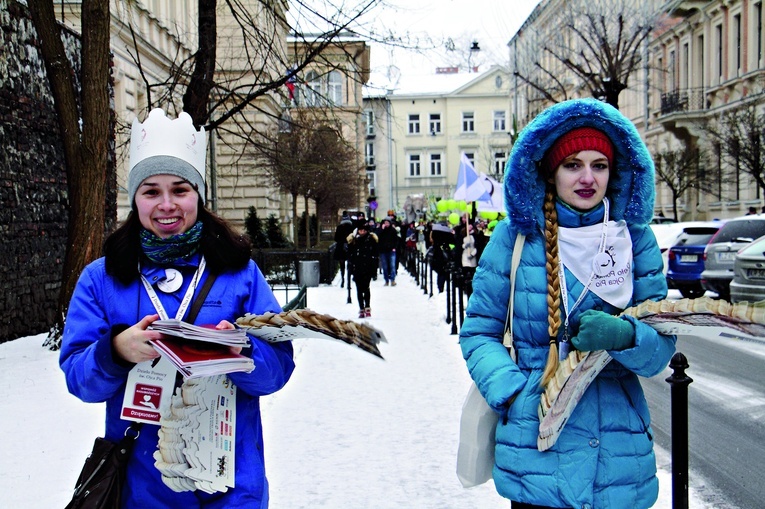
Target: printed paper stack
{"points": [[198, 351], [197, 436]]}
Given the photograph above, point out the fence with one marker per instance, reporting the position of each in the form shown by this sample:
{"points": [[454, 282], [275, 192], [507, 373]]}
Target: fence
{"points": [[280, 267]]}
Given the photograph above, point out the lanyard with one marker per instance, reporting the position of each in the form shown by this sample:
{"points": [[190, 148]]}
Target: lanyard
{"points": [[562, 275], [186, 298]]}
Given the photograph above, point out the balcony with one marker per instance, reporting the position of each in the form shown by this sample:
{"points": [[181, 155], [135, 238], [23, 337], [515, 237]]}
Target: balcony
{"points": [[688, 100]]}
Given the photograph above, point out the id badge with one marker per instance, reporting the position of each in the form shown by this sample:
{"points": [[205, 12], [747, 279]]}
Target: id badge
{"points": [[149, 390]]}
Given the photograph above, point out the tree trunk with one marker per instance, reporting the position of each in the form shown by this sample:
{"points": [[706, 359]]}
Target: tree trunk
{"points": [[85, 151], [295, 230], [197, 95]]}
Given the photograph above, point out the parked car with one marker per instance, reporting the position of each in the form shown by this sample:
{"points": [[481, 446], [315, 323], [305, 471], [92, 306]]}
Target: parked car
{"points": [[720, 253], [686, 258], [749, 273], [666, 235]]}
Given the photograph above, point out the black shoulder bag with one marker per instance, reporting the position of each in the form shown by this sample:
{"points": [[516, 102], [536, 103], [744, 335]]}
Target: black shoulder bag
{"points": [[99, 485]]}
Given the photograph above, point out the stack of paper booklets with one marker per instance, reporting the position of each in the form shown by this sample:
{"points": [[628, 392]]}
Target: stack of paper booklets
{"points": [[199, 351], [197, 437]]}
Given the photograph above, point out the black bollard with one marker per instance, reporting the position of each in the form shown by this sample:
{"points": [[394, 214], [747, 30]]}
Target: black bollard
{"points": [[453, 277], [448, 296], [461, 295], [679, 382], [430, 271], [348, 269]]}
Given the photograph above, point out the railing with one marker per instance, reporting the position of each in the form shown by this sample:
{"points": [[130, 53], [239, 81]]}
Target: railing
{"points": [[685, 100]]}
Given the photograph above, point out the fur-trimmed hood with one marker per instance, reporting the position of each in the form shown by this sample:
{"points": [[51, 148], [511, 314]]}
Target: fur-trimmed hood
{"points": [[631, 184]]}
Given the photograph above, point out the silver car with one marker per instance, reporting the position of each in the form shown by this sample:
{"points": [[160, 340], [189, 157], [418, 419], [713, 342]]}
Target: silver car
{"points": [[720, 253], [749, 273]]}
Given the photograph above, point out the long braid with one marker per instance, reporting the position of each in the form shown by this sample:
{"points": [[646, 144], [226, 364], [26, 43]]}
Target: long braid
{"points": [[552, 265]]}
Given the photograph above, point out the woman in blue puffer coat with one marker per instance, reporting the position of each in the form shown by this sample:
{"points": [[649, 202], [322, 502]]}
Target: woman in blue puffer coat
{"points": [[580, 186], [154, 265]]}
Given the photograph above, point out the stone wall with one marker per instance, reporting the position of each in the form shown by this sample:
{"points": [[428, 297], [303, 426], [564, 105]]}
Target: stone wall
{"points": [[33, 186]]}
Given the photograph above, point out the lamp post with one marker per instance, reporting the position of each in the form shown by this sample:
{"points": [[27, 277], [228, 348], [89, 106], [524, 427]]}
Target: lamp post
{"points": [[474, 48]]}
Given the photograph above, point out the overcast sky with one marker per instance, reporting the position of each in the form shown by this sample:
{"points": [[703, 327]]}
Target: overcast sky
{"points": [[431, 22]]}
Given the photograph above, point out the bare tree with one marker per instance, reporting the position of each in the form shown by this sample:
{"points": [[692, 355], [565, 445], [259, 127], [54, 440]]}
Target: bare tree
{"points": [[310, 158], [740, 136], [683, 171], [598, 43], [85, 132]]}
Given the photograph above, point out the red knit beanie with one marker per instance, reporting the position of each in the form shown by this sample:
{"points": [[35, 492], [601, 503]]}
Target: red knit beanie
{"points": [[577, 140]]}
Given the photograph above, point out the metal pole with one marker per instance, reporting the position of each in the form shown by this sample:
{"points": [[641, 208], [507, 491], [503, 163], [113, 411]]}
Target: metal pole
{"points": [[348, 269], [679, 382], [448, 296], [452, 272]]}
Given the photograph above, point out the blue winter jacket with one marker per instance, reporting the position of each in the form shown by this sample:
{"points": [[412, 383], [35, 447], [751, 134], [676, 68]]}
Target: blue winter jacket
{"points": [[604, 457], [101, 306]]}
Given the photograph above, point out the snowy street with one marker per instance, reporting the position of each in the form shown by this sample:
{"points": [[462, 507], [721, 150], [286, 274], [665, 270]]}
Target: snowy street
{"points": [[349, 431]]}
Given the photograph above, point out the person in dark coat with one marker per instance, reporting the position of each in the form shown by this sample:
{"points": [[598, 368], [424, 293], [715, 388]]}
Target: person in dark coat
{"points": [[363, 254], [440, 253], [388, 241], [344, 229]]}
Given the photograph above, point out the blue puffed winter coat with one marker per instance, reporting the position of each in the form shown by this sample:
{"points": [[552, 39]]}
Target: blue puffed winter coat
{"points": [[102, 305], [604, 456]]}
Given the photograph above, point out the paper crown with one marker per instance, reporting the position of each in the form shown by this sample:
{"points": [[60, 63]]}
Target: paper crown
{"points": [[160, 146]]}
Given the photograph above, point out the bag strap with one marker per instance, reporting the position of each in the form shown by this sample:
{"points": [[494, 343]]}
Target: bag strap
{"points": [[516, 261], [200, 298]]}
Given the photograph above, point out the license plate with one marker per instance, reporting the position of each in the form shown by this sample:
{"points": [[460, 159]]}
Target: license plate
{"points": [[689, 258], [755, 273], [726, 256]]}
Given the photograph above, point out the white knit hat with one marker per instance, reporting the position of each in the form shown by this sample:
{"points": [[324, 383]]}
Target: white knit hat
{"points": [[160, 146]]}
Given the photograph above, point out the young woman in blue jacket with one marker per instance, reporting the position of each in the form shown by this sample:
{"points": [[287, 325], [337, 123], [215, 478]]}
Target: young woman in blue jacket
{"points": [[153, 265], [580, 186]]}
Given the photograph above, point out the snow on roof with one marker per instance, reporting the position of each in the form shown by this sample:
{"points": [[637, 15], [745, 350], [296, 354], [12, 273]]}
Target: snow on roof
{"points": [[421, 84]]}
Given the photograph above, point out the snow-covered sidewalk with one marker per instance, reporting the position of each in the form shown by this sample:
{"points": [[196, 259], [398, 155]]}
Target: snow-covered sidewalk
{"points": [[349, 431]]}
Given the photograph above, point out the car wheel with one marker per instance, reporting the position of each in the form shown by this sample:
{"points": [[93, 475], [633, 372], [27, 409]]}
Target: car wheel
{"points": [[691, 293]]}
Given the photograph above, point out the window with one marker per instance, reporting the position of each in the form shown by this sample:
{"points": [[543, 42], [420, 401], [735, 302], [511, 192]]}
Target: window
{"points": [[369, 153], [435, 123], [758, 18], [313, 89], [435, 165], [500, 160], [335, 88], [468, 122], [414, 123], [719, 42], [737, 29], [499, 120], [414, 165], [470, 157], [672, 72], [369, 119]]}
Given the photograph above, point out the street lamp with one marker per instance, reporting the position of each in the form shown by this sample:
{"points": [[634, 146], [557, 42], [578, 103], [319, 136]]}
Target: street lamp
{"points": [[474, 48]]}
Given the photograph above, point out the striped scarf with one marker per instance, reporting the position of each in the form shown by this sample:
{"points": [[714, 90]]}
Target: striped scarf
{"points": [[166, 251]]}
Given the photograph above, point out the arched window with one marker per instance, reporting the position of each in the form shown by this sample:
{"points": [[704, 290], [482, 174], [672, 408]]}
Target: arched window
{"points": [[313, 89], [335, 88]]}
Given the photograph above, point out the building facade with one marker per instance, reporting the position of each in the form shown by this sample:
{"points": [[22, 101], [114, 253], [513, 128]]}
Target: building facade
{"points": [[417, 131], [707, 64], [701, 60]]}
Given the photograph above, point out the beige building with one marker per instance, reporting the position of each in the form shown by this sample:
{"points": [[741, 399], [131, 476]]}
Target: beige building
{"points": [[713, 62], [163, 33], [702, 59], [329, 89], [417, 131]]}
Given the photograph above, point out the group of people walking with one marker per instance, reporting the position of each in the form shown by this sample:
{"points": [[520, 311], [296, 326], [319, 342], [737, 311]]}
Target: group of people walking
{"points": [[367, 248]]}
